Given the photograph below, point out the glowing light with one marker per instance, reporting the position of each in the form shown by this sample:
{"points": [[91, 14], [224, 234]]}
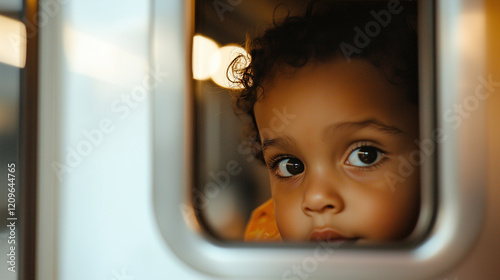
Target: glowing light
{"points": [[472, 34], [226, 55], [12, 42], [205, 57]]}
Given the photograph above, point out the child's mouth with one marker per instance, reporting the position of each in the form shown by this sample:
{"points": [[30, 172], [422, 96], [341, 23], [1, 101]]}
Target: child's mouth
{"points": [[329, 235]]}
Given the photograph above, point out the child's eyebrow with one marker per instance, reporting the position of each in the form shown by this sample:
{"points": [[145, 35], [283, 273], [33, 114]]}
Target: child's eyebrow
{"points": [[356, 125], [286, 142], [281, 142]]}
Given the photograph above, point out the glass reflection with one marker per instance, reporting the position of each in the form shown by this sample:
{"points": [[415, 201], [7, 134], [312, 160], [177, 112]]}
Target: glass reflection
{"points": [[12, 60]]}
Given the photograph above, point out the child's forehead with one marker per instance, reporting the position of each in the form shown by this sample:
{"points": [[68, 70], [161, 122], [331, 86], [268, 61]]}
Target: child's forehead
{"points": [[322, 94], [318, 73], [334, 84]]}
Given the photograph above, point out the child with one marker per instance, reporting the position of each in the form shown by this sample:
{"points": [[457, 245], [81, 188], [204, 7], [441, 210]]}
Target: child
{"points": [[344, 75]]}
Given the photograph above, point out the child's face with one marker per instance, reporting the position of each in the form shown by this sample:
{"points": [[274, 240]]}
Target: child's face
{"points": [[334, 135]]}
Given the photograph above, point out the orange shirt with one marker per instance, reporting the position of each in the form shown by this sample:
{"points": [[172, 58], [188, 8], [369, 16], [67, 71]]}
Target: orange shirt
{"points": [[262, 225]]}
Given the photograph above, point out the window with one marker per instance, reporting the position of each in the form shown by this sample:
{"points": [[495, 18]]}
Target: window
{"points": [[206, 184]]}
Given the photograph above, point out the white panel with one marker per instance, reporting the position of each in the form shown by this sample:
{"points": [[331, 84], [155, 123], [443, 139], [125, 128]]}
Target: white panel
{"points": [[95, 145]]}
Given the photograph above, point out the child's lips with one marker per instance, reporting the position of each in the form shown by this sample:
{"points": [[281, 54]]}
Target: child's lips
{"points": [[329, 235]]}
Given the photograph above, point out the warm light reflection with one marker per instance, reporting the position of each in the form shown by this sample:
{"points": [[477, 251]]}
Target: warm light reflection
{"points": [[210, 61], [226, 55], [100, 59], [472, 35], [12, 42], [7, 117], [205, 60]]}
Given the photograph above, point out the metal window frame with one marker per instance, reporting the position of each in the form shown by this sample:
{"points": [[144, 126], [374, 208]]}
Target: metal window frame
{"points": [[456, 172]]}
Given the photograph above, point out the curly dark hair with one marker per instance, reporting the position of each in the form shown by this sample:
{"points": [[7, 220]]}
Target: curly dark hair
{"points": [[329, 30]]}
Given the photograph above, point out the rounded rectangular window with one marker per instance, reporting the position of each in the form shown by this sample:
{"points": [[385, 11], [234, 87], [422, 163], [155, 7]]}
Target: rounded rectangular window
{"points": [[308, 122], [298, 134]]}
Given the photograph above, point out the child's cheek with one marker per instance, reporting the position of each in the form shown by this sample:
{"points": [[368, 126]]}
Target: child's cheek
{"points": [[373, 178], [291, 221]]}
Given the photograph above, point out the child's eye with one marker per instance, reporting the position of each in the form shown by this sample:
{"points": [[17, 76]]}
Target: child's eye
{"points": [[289, 167], [364, 156]]}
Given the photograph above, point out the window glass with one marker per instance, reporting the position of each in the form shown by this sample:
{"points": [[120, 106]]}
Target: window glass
{"points": [[307, 117]]}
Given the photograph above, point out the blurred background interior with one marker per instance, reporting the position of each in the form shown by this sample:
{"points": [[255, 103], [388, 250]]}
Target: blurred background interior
{"points": [[220, 34]]}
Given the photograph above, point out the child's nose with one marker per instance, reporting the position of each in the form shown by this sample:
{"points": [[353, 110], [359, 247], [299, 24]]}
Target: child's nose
{"points": [[321, 197]]}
